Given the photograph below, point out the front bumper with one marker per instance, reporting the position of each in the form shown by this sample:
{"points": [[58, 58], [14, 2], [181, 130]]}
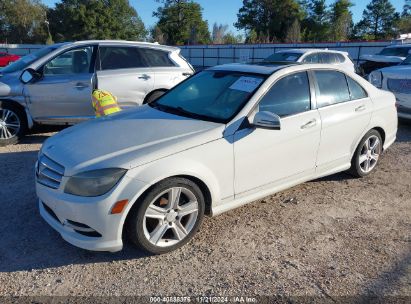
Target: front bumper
{"points": [[86, 222]]}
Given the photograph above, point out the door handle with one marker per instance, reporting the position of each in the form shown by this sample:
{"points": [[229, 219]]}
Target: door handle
{"points": [[80, 86], [144, 76], [309, 124], [360, 108]]}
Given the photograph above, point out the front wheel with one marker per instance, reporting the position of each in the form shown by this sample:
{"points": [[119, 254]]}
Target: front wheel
{"points": [[367, 154], [12, 124], [167, 217]]}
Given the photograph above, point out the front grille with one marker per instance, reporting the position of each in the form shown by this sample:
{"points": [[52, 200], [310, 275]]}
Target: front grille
{"points": [[49, 173], [402, 86]]}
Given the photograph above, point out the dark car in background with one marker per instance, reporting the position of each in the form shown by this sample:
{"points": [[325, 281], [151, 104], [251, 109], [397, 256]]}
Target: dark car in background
{"points": [[389, 56]]}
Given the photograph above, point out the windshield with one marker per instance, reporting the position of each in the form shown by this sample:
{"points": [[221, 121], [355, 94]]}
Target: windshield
{"points": [[399, 51], [25, 61], [407, 61], [211, 95], [292, 57]]}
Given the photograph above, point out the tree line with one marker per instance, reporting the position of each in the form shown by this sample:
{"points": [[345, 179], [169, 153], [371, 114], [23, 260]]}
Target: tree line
{"points": [[182, 22]]}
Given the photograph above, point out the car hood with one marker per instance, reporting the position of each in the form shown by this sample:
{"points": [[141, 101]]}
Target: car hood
{"points": [[127, 140], [398, 72], [382, 58]]}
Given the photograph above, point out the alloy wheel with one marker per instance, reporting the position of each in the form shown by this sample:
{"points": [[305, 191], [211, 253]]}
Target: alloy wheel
{"points": [[9, 124], [370, 153], [170, 217]]}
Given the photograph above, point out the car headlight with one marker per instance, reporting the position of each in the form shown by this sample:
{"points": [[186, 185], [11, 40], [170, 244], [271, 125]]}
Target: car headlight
{"points": [[94, 183], [375, 79]]}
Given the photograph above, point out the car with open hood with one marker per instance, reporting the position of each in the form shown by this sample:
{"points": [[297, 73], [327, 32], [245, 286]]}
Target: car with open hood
{"points": [[224, 137], [390, 56]]}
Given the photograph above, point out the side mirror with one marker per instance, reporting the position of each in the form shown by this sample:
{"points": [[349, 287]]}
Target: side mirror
{"points": [[29, 75], [267, 120]]}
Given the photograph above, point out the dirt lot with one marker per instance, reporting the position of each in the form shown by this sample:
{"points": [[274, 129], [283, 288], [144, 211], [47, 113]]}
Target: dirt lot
{"points": [[339, 237]]}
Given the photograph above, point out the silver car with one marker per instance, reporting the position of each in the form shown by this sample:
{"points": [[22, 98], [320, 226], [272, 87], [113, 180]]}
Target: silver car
{"points": [[54, 84]]}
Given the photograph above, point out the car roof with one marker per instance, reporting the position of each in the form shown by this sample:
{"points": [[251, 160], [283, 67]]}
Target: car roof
{"points": [[124, 42], [399, 46], [255, 68], [303, 51]]}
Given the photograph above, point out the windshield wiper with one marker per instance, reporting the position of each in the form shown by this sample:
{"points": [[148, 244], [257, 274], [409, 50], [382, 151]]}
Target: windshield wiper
{"points": [[182, 112]]}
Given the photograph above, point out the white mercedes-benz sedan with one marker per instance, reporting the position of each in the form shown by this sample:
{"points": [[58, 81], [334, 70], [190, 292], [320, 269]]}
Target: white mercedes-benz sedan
{"points": [[227, 136]]}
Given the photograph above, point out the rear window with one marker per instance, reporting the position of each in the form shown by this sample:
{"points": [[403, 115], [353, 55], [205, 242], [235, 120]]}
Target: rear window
{"points": [[328, 58], [113, 58], [283, 56]]}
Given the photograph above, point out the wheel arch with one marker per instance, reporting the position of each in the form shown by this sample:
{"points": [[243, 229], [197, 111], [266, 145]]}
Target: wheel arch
{"points": [[152, 92], [199, 182], [378, 129], [29, 120]]}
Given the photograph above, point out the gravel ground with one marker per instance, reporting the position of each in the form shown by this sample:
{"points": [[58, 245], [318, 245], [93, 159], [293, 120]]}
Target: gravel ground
{"points": [[332, 237]]}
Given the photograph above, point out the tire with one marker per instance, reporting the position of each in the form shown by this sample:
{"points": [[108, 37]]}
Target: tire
{"points": [[367, 154], [13, 124], [154, 96], [157, 225]]}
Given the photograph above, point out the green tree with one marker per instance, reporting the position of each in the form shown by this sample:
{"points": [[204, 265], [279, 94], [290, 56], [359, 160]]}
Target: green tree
{"points": [[270, 19], [316, 26], [406, 10], [22, 21], [95, 19], [341, 20], [294, 32], [181, 22], [404, 23], [219, 32], [379, 20], [157, 35]]}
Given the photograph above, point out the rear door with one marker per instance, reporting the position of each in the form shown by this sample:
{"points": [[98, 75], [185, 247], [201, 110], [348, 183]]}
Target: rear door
{"points": [[63, 94], [123, 71], [345, 111], [167, 73]]}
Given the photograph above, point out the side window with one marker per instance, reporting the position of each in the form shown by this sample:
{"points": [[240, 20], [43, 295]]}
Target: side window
{"points": [[357, 91], [312, 58], [328, 58], [114, 57], [332, 88], [157, 58], [340, 58], [75, 61], [289, 95]]}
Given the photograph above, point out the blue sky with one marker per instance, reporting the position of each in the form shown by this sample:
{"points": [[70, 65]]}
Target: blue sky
{"points": [[225, 11]]}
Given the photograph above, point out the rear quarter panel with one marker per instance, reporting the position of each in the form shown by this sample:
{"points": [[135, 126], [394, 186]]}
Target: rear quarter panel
{"points": [[384, 115]]}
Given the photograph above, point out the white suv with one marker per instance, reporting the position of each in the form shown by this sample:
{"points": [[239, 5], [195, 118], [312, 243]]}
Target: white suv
{"points": [[336, 58], [54, 84]]}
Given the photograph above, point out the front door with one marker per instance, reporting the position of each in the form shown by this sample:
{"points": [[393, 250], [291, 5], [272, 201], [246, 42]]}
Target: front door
{"points": [[63, 94], [264, 157], [123, 71]]}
